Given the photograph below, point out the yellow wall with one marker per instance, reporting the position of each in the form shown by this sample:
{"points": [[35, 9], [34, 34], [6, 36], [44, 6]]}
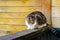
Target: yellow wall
{"points": [[13, 13]]}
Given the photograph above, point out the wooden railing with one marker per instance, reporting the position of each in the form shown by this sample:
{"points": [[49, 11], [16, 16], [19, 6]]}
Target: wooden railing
{"points": [[33, 34], [23, 35]]}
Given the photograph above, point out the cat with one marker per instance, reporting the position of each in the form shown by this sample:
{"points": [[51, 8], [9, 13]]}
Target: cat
{"points": [[35, 19]]}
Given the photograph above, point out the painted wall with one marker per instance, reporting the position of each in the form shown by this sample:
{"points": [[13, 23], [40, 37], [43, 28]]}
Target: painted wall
{"points": [[13, 13], [56, 14]]}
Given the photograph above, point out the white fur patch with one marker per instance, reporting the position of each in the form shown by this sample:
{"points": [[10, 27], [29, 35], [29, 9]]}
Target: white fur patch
{"points": [[30, 26]]}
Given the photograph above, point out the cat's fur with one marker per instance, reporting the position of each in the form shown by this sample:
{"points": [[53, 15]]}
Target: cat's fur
{"points": [[38, 20]]}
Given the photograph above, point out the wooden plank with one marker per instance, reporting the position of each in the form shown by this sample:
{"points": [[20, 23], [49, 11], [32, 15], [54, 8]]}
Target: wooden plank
{"points": [[19, 9], [21, 3]]}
